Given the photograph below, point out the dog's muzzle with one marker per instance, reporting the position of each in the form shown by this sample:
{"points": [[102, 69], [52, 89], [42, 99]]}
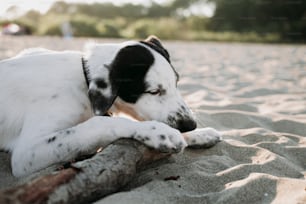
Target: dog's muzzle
{"points": [[186, 125], [182, 123]]}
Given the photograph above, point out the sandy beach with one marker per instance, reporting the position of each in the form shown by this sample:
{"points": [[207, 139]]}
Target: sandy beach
{"points": [[255, 94]]}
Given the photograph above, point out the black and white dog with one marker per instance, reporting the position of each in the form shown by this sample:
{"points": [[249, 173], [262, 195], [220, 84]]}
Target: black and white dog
{"points": [[53, 105]]}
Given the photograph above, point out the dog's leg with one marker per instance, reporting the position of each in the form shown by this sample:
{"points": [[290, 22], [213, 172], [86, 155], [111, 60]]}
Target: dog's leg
{"points": [[33, 153], [202, 137]]}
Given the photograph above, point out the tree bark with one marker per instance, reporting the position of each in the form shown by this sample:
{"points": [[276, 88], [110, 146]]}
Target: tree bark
{"points": [[88, 180]]}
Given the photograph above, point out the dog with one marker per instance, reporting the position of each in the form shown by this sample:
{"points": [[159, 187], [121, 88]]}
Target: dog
{"points": [[57, 105]]}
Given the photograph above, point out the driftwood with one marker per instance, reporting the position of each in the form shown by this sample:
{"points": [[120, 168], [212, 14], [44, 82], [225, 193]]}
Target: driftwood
{"points": [[87, 180]]}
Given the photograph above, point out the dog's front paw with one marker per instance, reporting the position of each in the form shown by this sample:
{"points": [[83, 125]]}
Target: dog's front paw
{"points": [[162, 137], [203, 138]]}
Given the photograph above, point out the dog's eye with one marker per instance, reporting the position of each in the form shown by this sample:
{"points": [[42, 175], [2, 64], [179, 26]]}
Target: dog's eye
{"points": [[154, 92]]}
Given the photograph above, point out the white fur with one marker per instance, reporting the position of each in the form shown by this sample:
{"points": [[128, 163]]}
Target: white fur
{"points": [[46, 116]]}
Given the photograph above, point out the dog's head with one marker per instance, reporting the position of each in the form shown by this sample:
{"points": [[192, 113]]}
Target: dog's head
{"points": [[142, 83]]}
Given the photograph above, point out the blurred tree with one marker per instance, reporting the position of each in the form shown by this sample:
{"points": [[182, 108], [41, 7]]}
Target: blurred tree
{"points": [[282, 18], [12, 12], [59, 7], [262, 16], [108, 10], [157, 11], [132, 11], [32, 16], [176, 4]]}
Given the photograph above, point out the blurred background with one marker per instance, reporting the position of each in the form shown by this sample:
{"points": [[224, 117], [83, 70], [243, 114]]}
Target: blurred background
{"points": [[268, 21]]}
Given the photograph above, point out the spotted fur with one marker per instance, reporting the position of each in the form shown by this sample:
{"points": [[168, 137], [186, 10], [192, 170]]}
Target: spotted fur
{"points": [[53, 104]]}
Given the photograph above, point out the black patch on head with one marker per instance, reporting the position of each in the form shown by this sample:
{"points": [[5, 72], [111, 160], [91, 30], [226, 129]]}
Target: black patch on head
{"points": [[52, 139], [101, 83], [128, 71]]}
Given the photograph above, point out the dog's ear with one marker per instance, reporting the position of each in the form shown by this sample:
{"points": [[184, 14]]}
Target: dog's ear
{"points": [[126, 79], [153, 42], [128, 71], [101, 96]]}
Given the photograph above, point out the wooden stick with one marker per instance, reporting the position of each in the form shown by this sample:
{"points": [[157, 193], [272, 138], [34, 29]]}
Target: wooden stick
{"points": [[88, 180]]}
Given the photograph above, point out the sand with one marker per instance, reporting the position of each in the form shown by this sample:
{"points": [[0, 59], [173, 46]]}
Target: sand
{"points": [[255, 94]]}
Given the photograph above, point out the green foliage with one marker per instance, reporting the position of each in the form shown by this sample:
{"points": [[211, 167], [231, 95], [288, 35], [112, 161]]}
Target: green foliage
{"points": [[284, 17], [52, 29], [59, 7], [51, 24], [165, 28], [84, 28], [197, 23], [235, 20], [108, 30], [139, 29]]}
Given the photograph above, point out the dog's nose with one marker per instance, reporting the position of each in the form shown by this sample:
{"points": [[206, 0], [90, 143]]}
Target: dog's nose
{"points": [[186, 125]]}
